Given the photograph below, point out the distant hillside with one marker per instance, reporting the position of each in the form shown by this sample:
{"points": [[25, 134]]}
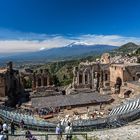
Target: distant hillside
{"points": [[137, 52], [71, 51], [126, 48]]}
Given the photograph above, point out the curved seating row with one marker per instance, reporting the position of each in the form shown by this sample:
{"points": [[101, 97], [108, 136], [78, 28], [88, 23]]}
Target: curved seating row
{"points": [[116, 118], [126, 108], [28, 120]]}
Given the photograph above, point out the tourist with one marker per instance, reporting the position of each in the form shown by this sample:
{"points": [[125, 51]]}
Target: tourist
{"points": [[29, 136], [88, 111], [12, 127], [5, 128], [1, 127], [68, 131], [58, 131], [101, 106], [22, 124]]}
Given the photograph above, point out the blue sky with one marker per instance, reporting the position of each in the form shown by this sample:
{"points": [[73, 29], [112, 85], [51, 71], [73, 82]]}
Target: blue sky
{"points": [[29, 25]]}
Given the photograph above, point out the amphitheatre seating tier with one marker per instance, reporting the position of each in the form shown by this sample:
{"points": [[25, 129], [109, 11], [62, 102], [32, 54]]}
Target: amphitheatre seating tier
{"points": [[126, 108], [28, 119], [118, 117]]}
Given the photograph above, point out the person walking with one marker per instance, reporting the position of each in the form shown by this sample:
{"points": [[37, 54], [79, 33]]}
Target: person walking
{"points": [[22, 124], [12, 125], [5, 130], [1, 127], [68, 131]]}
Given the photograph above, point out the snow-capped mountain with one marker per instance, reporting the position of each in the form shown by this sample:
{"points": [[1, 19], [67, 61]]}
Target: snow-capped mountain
{"points": [[73, 50]]}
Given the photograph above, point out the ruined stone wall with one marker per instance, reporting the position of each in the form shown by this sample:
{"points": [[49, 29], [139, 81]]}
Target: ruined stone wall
{"points": [[103, 74], [91, 75], [41, 79], [126, 73], [10, 85], [115, 72], [130, 73], [2, 86]]}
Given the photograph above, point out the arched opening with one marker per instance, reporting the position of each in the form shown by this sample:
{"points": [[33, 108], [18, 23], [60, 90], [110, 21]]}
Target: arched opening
{"points": [[93, 75], [80, 79], [98, 81], [39, 82], [106, 77], [86, 79], [119, 81], [45, 81], [118, 85]]}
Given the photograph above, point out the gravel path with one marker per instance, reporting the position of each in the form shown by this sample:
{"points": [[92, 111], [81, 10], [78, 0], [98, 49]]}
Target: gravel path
{"points": [[130, 132]]}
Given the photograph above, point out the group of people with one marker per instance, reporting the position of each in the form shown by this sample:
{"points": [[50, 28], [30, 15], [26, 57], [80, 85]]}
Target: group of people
{"points": [[4, 130], [67, 130], [60, 129]]}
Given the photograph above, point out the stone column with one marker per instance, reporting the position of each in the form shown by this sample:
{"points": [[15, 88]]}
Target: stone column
{"points": [[92, 78], [42, 81], [77, 78], [73, 81], [33, 82], [101, 79], [98, 82], [48, 80], [88, 78], [83, 79], [36, 82]]}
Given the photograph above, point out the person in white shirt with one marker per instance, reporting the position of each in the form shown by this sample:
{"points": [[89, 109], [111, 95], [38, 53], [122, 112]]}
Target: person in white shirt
{"points": [[5, 130], [68, 131], [5, 127]]}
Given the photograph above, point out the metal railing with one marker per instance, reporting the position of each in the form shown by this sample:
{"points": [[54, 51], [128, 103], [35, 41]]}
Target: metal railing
{"points": [[82, 125], [51, 136]]}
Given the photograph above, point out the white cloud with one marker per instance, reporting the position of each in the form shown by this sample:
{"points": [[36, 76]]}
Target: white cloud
{"points": [[108, 39], [7, 46], [27, 42]]}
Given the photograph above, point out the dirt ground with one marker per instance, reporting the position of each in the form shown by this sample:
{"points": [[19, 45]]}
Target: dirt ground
{"points": [[130, 132]]}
